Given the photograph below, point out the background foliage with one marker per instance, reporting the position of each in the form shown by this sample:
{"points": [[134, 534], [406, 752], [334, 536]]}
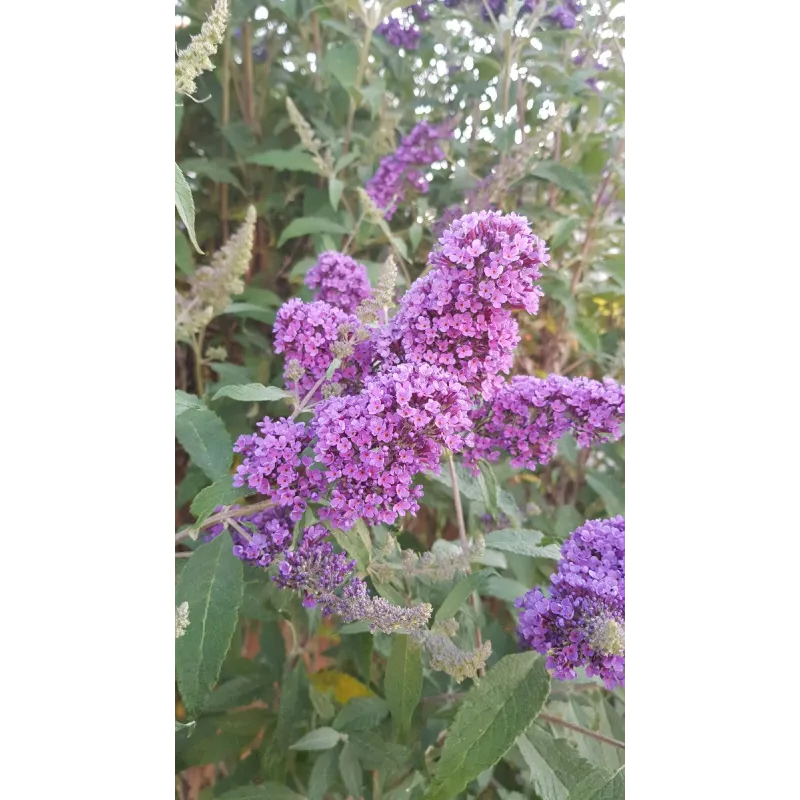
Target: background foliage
{"points": [[271, 700]]}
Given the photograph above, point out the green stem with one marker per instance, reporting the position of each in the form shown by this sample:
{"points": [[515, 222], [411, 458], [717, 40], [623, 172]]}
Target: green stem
{"points": [[197, 349], [362, 69], [462, 535]]}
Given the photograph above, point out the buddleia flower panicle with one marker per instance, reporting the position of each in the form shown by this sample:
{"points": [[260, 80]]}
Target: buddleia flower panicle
{"points": [[527, 416], [447, 657], [404, 169], [371, 445], [357, 604], [275, 464], [401, 29], [340, 280], [211, 287], [269, 533], [314, 569], [458, 317], [181, 619], [582, 621], [309, 140], [320, 575], [196, 58], [308, 333]]}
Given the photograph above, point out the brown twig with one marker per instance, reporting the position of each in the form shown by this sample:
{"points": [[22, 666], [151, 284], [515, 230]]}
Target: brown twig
{"points": [[585, 731], [223, 515]]}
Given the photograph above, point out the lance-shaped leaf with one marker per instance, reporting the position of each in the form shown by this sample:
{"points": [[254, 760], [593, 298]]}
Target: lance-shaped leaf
{"points": [[203, 436], [403, 681], [211, 583], [491, 717], [252, 392]]}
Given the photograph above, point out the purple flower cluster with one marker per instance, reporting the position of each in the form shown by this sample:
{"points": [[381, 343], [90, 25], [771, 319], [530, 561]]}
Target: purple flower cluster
{"points": [[528, 416], [402, 30], [580, 60], [273, 464], [339, 280], [269, 532], [306, 332], [562, 14], [396, 172], [313, 568], [582, 622], [458, 316], [372, 444]]}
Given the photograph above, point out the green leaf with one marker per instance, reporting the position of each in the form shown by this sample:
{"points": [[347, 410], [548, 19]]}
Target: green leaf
{"points": [[402, 683], [357, 543], [183, 253], [220, 493], [323, 774], [319, 739], [350, 770], [185, 402], [610, 490], [263, 791], [488, 484], [335, 188], [563, 231], [567, 519], [211, 583], [180, 726], [346, 160], [600, 785], [459, 594], [524, 542], [253, 311], [291, 160], [563, 177], [342, 63], [203, 436], [493, 714], [362, 713], [374, 752], [185, 205], [303, 226], [468, 485], [555, 765], [252, 393], [219, 173], [504, 588]]}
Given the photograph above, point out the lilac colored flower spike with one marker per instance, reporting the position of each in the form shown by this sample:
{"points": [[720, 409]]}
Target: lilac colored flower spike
{"points": [[400, 170], [269, 531], [372, 444], [313, 568], [273, 464], [356, 604], [582, 622], [402, 30], [527, 417], [306, 332], [458, 316], [339, 280]]}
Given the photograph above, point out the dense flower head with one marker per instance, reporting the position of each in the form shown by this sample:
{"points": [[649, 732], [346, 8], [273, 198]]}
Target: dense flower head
{"points": [[268, 534], [458, 316], [526, 418], [273, 464], [339, 280], [313, 568], [372, 444], [403, 168], [401, 29], [307, 333], [356, 603], [582, 622]]}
